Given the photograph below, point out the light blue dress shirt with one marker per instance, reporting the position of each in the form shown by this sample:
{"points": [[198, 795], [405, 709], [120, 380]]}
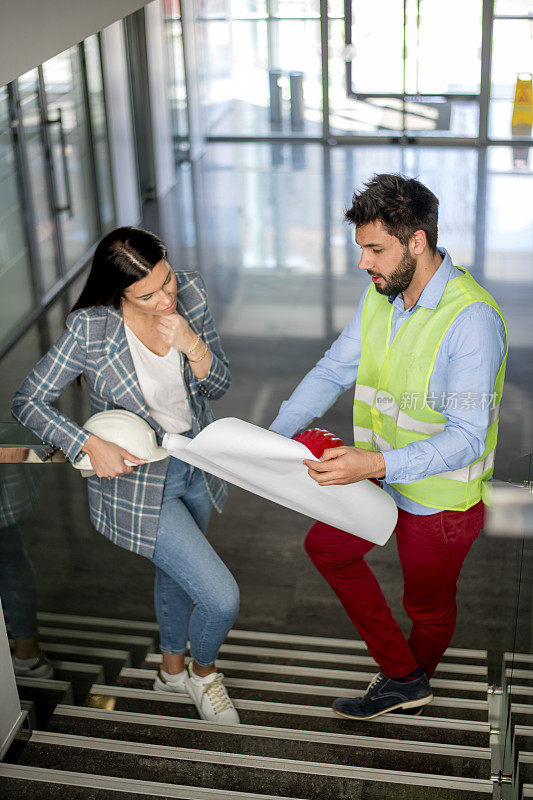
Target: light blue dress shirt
{"points": [[461, 386]]}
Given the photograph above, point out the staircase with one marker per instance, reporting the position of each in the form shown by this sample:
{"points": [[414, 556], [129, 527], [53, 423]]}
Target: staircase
{"points": [[100, 732]]}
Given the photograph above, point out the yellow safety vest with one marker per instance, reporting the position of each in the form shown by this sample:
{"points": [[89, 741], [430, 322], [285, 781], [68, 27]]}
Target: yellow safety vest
{"points": [[391, 403]]}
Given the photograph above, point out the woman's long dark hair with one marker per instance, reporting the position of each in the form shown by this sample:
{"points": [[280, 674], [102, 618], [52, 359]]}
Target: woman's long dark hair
{"points": [[124, 256]]}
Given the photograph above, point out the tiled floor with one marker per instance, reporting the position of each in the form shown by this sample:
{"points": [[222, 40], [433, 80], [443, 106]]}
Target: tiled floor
{"points": [[265, 225]]}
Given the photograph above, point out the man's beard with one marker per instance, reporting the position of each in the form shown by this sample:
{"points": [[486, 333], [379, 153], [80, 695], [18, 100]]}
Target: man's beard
{"points": [[399, 280]]}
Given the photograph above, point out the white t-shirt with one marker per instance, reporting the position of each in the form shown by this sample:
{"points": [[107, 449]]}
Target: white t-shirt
{"points": [[162, 385]]}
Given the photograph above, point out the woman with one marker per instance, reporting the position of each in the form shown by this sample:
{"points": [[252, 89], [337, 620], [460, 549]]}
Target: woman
{"points": [[143, 337]]}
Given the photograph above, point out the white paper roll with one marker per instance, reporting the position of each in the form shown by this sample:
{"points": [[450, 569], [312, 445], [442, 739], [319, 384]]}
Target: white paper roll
{"points": [[271, 466]]}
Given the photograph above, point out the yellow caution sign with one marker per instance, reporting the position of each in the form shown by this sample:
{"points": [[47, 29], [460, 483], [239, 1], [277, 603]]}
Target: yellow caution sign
{"points": [[523, 101]]}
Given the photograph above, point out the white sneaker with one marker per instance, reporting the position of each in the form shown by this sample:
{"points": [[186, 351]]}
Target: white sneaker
{"points": [[161, 684], [39, 668], [210, 697]]}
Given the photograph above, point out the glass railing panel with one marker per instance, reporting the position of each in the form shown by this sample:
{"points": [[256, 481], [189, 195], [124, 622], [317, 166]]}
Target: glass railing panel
{"points": [[510, 530]]}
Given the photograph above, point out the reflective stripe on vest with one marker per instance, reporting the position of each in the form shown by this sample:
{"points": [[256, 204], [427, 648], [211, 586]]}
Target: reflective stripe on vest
{"points": [[390, 372], [465, 474], [388, 406]]}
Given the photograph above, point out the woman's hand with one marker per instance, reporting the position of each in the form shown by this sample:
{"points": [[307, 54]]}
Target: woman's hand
{"points": [[176, 332], [107, 459]]}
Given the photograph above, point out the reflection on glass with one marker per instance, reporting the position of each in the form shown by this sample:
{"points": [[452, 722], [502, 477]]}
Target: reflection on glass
{"points": [[269, 234], [99, 129], [509, 219], [16, 298], [175, 72], [383, 63], [64, 89], [31, 120], [513, 7], [248, 58], [512, 53]]}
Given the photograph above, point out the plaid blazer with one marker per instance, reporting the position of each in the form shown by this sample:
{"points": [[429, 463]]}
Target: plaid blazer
{"points": [[125, 509]]}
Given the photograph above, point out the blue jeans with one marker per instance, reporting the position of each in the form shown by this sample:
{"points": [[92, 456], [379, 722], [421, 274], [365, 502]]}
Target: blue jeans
{"points": [[18, 587], [196, 596]]}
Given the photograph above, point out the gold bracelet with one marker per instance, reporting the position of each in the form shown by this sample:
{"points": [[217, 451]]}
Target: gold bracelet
{"points": [[196, 360], [195, 345]]}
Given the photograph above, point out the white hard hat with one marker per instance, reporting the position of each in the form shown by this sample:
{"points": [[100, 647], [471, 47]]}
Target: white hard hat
{"points": [[128, 431]]}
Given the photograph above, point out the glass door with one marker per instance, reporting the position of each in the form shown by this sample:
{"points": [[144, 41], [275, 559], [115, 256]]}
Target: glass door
{"points": [[29, 120], [66, 120], [56, 196], [16, 283]]}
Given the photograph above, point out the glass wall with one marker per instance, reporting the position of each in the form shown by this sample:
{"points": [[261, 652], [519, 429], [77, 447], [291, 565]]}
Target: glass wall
{"points": [[261, 62], [175, 73], [512, 56], [16, 287], [400, 77], [68, 133], [56, 192], [421, 75]]}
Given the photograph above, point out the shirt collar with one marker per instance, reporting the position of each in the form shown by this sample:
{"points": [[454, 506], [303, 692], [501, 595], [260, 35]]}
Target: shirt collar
{"points": [[434, 289]]}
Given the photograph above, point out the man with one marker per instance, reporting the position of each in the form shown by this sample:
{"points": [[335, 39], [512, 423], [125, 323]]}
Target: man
{"points": [[427, 346]]}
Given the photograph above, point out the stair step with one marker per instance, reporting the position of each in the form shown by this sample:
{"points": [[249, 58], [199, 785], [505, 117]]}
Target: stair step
{"points": [[288, 639], [45, 694], [525, 761], [523, 738], [110, 659], [246, 773], [300, 716], [81, 676], [35, 783], [338, 748], [328, 676], [136, 645], [249, 689], [292, 657]]}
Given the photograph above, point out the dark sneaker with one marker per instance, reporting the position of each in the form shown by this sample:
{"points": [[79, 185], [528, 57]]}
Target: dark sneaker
{"points": [[384, 695]]}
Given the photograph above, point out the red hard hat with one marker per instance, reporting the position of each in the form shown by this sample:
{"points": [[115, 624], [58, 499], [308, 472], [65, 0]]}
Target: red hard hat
{"points": [[318, 440]]}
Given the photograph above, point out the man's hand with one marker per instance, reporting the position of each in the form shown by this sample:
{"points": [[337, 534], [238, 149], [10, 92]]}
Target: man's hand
{"points": [[341, 465]]}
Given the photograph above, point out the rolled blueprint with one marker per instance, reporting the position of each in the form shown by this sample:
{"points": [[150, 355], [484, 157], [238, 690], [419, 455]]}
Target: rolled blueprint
{"points": [[271, 466]]}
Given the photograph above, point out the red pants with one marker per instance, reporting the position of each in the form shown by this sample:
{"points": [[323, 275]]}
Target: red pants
{"points": [[432, 550]]}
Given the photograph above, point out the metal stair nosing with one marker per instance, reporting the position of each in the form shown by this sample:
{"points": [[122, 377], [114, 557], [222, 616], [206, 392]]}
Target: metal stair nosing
{"points": [[287, 708], [340, 658], [271, 732], [131, 786], [236, 633], [120, 638], [298, 688], [213, 757], [256, 650], [47, 684], [523, 730], [79, 666], [332, 674], [81, 650]]}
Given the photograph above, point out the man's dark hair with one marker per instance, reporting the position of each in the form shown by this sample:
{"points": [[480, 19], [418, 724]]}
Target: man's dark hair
{"points": [[403, 205]]}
